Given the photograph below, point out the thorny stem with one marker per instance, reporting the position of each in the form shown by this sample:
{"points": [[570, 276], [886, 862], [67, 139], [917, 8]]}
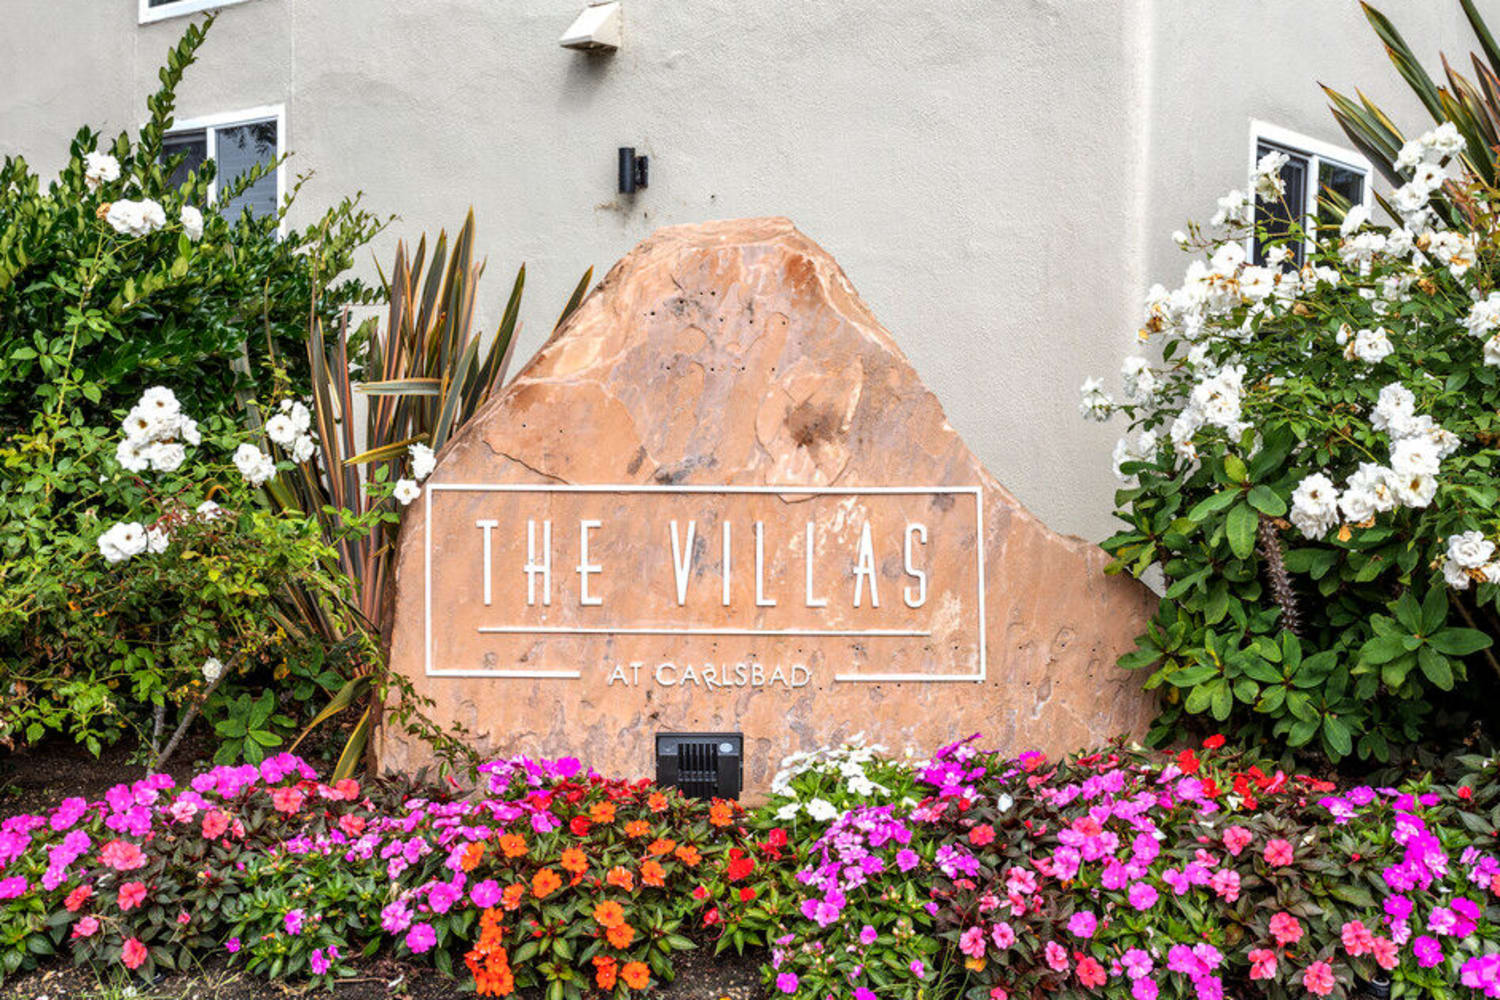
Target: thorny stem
{"points": [[1285, 595]]}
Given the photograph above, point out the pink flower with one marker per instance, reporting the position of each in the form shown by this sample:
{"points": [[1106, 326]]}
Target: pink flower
{"points": [[1262, 964], [12, 887], [1142, 895], [485, 894], [133, 953], [287, 800], [971, 942], [1057, 956], [1083, 924], [232, 945], [1143, 989], [131, 895], [122, 856], [421, 938], [318, 961], [215, 822], [78, 897], [1090, 972], [1384, 950], [1278, 853], [1236, 839], [1003, 935], [85, 927], [1318, 979], [1357, 938], [1226, 882], [981, 835], [1286, 929], [293, 922]]}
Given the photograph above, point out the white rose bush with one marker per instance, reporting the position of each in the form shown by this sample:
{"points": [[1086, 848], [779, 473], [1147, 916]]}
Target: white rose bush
{"points": [[1310, 463]]}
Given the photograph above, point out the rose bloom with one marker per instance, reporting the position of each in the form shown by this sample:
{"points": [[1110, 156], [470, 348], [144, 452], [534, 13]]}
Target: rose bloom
{"points": [[1278, 853], [1318, 979], [1286, 929]]}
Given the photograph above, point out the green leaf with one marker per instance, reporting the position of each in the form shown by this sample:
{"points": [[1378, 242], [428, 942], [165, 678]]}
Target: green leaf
{"points": [[1336, 734], [1240, 530], [1460, 641], [1436, 668], [1212, 505], [1265, 500], [1234, 468], [1383, 649]]}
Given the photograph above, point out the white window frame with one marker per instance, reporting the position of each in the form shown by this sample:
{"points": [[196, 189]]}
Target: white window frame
{"points": [[210, 124], [1317, 152], [181, 8]]}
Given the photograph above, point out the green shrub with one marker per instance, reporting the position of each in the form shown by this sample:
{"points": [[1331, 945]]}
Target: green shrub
{"points": [[1312, 469]]}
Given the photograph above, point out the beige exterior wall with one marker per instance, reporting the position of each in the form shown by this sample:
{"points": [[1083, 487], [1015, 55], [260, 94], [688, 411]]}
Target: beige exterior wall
{"points": [[997, 177]]}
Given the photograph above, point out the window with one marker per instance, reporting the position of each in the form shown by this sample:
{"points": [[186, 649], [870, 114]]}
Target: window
{"points": [[237, 142], [160, 10], [1312, 168]]}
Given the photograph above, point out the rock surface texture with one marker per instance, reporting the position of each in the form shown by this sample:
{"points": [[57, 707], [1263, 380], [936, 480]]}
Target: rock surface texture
{"points": [[737, 354]]}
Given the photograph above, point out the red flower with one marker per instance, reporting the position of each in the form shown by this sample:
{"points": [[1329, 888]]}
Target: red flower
{"points": [[78, 897], [287, 800], [982, 834], [1188, 761], [133, 954], [352, 825], [215, 822], [711, 917], [1466, 793], [131, 895], [739, 866], [777, 837], [1090, 972], [580, 826], [747, 894], [700, 893], [1214, 742]]}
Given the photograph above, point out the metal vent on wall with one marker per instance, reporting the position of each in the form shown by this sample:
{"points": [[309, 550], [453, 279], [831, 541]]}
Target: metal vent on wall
{"points": [[702, 765]]}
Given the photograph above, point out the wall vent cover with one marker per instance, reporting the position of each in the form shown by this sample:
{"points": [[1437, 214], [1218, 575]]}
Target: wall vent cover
{"points": [[701, 765]]}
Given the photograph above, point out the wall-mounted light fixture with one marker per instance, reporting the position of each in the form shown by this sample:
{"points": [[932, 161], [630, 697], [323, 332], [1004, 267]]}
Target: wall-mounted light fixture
{"points": [[597, 29], [633, 170]]}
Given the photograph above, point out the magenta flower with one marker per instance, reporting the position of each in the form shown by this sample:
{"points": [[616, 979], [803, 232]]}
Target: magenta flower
{"points": [[786, 982], [1428, 951], [1083, 924], [485, 894], [421, 938], [1142, 895], [293, 922], [971, 942]]}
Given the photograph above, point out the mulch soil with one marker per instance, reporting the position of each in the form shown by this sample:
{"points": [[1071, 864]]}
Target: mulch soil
{"points": [[35, 780]]}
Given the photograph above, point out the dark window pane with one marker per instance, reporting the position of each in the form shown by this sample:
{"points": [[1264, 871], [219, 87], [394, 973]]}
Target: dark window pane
{"points": [[240, 147], [1277, 217], [194, 147], [161, 3], [1347, 183]]}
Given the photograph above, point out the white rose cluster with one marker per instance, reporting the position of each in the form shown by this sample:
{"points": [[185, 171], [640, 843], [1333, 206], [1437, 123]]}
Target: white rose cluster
{"points": [[1094, 403], [291, 428], [423, 461], [1470, 557], [255, 465], [1418, 447], [1483, 322], [135, 218], [1217, 401], [1369, 346], [1266, 177], [1424, 160], [156, 431]]}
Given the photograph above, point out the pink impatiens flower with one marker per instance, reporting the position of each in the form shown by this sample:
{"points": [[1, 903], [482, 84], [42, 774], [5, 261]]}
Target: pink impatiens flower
{"points": [[1278, 853], [971, 942], [85, 927], [1003, 935], [133, 953], [131, 895], [1262, 963], [1236, 839], [1083, 924], [1357, 938], [1090, 972], [1057, 956], [1142, 895], [122, 856], [1286, 929], [1318, 979]]}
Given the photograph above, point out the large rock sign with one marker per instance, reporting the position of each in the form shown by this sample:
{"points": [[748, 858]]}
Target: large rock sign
{"points": [[720, 499]]}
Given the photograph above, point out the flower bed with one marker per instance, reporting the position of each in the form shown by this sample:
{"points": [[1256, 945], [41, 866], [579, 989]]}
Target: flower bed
{"points": [[1119, 873]]}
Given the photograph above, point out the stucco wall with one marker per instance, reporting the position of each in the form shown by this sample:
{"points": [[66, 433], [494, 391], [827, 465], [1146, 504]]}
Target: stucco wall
{"points": [[997, 177]]}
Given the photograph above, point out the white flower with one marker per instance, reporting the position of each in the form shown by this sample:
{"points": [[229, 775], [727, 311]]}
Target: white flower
{"points": [[303, 448], [788, 811], [99, 168], [1234, 209], [135, 218], [192, 222], [1470, 549], [253, 464], [1429, 176], [1180, 238], [1415, 456], [1315, 505], [1411, 154], [1267, 176], [1491, 572], [822, 811], [406, 491], [1370, 491], [126, 539], [1445, 140], [298, 414], [281, 430], [1492, 350], [1370, 346], [209, 511], [1095, 404], [1484, 316], [1143, 450], [1455, 575], [1416, 490], [212, 669], [1357, 216], [160, 401], [132, 455], [157, 540], [187, 428], [1394, 410], [166, 457], [423, 461], [1455, 250], [1256, 283]]}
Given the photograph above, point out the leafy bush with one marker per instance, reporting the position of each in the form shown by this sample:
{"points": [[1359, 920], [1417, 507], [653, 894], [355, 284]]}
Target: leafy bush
{"points": [[1312, 469], [112, 279]]}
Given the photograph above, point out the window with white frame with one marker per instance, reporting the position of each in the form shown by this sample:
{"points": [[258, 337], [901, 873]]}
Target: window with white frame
{"points": [[236, 142], [160, 10], [1312, 169]]}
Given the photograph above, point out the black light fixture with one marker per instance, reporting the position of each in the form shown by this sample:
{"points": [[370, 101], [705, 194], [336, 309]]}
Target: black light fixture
{"points": [[701, 765], [633, 170]]}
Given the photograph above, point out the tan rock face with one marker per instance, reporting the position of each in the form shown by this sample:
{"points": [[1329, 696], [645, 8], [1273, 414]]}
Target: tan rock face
{"points": [[720, 499]]}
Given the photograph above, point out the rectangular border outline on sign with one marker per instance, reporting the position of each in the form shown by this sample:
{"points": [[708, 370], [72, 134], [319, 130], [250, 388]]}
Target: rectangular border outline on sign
{"points": [[974, 491]]}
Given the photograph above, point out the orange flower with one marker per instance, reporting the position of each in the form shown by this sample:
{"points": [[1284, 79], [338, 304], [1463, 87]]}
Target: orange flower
{"points": [[513, 845], [652, 873], [662, 846], [470, 858], [602, 812], [604, 972], [609, 914], [721, 813], [620, 877], [637, 828], [657, 801], [511, 898], [688, 855], [573, 860], [636, 975], [545, 882], [621, 935]]}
